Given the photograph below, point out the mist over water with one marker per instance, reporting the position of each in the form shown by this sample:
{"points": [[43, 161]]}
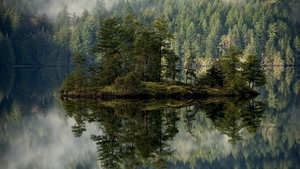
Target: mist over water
{"points": [[48, 142], [43, 137], [35, 133]]}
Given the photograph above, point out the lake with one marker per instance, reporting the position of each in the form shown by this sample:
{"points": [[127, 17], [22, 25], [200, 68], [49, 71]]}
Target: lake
{"points": [[38, 130]]}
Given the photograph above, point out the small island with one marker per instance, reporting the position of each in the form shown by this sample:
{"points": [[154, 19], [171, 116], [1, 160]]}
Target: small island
{"points": [[137, 61]]}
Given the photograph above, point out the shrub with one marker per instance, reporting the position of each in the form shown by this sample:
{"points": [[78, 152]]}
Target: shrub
{"points": [[130, 84]]}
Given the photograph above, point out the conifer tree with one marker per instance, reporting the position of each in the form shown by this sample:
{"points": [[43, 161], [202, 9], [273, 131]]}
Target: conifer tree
{"points": [[79, 74], [45, 25], [108, 47], [233, 80], [253, 72], [129, 33]]}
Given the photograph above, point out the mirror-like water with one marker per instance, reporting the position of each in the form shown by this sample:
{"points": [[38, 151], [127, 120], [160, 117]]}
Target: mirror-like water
{"points": [[37, 130]]}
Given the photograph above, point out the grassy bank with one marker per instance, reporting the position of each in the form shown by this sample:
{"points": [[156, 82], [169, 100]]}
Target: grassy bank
{"points": [[152, 90]]}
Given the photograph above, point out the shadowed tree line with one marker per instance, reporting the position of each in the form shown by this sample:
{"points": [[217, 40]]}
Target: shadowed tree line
{"points": [[235, 74], [203, 31], [231, 116], [136, 133]]}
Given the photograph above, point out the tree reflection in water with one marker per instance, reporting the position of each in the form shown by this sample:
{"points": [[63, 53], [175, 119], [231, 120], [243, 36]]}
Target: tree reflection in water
{"points": [[138, 133], [232, 115]]}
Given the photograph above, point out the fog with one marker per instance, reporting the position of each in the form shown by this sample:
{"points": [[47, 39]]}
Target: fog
{"points": [[52, 7], [201, 147], [48, 142], [206, 143]]}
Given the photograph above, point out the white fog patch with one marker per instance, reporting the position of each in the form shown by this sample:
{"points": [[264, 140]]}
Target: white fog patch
{"points": [[205, 142], [53, 7], [188, 147], [48, 142]]}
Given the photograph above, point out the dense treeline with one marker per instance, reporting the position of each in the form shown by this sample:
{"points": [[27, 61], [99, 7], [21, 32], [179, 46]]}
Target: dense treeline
{"points": [[204, 30], [27, 40], [28, 37]]}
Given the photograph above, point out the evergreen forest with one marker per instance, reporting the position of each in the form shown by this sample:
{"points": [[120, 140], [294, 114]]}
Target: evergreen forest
{"points": [[203, 30], [192, 34]]}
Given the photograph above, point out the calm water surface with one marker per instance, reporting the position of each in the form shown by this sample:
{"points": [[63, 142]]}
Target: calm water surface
{"points": [[38, 130]]}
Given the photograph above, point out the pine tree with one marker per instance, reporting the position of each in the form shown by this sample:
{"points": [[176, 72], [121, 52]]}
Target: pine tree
{"points": [[45, 25], [62, 19], [253, 72], [88, 34], [129, 33], [79, 74], [233, 80], [289, 56], [75, 41], [296, 45], [163, 38], [147, 50], [109, 39]]}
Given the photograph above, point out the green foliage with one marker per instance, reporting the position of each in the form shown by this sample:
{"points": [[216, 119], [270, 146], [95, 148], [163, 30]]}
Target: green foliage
{"points": [[108, 38], [213, 77], [45, 24], [130, 27], [77, 80], [233, 79], [224, 72], [253, 115], [170, 69], [108, 46], [289, 56], [131, 136], [234, 75], [226, 115], [68, 84], [128, 84], [253, 73], [136, 133], [79, 73], [133, 47], [201, 35]]}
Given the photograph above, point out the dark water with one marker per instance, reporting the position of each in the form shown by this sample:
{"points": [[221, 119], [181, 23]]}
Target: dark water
{"points": [[38, 130]]}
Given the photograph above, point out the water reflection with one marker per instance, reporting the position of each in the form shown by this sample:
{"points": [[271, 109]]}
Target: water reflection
{"points": [[133, 134], [232, 115], [137, 133], [36, 131], [36, 141]]}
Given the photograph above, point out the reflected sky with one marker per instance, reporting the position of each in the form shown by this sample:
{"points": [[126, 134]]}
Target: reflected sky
{"points": [[204, 139], [35, 132], [48, 142]]}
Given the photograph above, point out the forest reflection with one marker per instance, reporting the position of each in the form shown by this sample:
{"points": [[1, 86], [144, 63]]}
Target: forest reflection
{"points": [[139, 132], [33, 122]]}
